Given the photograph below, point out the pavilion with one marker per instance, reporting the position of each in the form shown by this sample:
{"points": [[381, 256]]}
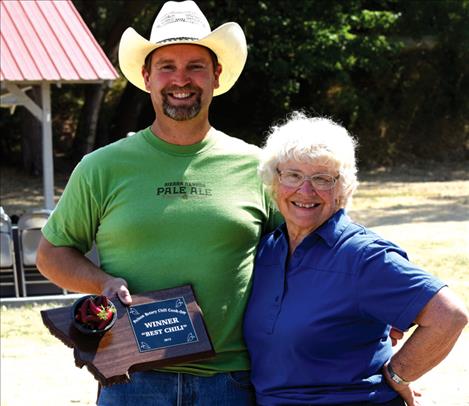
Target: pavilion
{"points": [[44, 42]]}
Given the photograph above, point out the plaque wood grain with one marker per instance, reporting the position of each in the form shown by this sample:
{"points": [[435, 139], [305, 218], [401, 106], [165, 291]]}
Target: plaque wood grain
{"points": [[112, 356]]}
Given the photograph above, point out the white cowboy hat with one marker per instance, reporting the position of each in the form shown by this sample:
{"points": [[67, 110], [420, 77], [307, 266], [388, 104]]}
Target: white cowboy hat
{"points": [[184, 23]]}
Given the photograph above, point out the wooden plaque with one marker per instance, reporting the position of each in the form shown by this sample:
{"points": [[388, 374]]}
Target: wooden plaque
{"points": [[160, 328]]}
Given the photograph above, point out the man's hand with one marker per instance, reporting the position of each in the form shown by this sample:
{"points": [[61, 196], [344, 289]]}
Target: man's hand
{"points": [[117, 286], [395, 335]]}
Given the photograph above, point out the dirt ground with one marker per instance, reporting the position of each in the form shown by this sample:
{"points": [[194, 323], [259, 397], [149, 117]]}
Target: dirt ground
{"points": [[36, 374]]}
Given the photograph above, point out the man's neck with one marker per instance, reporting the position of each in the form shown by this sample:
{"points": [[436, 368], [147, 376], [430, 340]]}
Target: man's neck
{"points": [[186, 132]]}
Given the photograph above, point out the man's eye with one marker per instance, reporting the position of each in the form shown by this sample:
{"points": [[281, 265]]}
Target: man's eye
{"points": [[166, 68], [197, 67]]}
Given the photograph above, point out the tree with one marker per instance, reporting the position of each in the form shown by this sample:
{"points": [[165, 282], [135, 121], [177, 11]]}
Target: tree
{"points": [[394, 72], [107, 20]]}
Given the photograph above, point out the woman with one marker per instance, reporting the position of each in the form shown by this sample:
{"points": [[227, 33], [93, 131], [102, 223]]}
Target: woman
{"points": [[326, 290]]}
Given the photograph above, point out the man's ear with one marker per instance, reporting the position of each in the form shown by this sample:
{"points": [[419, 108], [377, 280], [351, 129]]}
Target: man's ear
{"points": [[217, 76], [145, 75]]}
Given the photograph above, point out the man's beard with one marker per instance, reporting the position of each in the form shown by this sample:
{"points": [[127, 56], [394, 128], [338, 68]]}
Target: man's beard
{"points": [[182, 113]]}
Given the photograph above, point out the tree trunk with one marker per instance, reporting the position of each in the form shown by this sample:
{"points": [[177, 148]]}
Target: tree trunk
{"points": [[31, 136], [85, 136], [127, 115]]}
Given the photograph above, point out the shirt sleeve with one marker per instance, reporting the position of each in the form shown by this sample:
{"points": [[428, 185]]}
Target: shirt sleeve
{"points": [[391, 289], [274, 218], [74, 221]]}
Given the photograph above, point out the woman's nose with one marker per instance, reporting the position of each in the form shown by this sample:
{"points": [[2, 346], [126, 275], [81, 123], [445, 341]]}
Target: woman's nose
{"points": [[307, 187]]}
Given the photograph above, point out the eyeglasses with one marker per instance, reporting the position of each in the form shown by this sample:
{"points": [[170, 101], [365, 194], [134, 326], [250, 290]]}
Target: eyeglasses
{"points": [[319, 181]]}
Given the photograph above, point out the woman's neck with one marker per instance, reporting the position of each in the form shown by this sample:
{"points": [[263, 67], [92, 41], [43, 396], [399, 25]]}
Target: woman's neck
{"points": [[296, 236]]}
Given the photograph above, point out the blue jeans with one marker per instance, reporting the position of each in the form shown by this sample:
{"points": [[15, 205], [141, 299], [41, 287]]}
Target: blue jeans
{"points": [[176, 389]]}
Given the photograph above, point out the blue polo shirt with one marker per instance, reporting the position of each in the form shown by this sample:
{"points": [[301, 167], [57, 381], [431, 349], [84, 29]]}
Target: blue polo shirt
{"points": [[317, 323]]}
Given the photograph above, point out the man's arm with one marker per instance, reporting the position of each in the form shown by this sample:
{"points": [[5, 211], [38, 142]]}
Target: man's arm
{"points": [[70, 269], [439, 326]]}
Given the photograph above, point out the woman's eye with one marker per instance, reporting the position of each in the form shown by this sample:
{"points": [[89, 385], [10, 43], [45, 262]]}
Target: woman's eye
{"points": [[321, 179], [294, 176]]}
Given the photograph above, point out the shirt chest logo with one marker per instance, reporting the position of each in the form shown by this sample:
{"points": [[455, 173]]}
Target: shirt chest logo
{"points": [[183, 190]]}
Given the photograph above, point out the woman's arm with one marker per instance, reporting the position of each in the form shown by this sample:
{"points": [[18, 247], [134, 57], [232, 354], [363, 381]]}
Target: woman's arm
{"points": [[439, 325]]}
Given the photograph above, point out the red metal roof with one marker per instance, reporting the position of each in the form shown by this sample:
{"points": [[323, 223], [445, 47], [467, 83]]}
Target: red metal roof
{"points": [[48, 40]]}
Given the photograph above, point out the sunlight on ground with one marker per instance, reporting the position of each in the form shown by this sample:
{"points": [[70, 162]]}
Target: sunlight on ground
{"points": [[440, 248], [37, 369], [51, 380]]}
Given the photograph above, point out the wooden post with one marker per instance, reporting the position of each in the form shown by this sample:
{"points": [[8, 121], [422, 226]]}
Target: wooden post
{"points": [[47, 150]]}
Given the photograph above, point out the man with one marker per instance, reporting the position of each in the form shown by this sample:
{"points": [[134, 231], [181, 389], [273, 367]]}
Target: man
{"points": [[176, 203]]}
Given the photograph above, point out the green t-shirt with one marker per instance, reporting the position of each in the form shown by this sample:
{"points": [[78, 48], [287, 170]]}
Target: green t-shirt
{"points": [[164, 215]]}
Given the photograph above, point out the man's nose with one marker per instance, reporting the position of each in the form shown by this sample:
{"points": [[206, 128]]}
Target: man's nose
{"points": [[181, 78]]}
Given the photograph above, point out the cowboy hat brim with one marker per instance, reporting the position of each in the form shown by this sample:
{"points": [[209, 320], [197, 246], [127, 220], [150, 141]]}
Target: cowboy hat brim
{"points": [[227, 41]]}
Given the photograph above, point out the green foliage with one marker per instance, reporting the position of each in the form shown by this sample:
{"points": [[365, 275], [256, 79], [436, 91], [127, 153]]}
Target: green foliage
{"points": [[421, 101], [394, 72], [310, 57]]}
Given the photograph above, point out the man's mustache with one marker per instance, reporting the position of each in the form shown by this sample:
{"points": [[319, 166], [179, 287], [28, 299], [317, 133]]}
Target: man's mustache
{"points": [[188, 89]]}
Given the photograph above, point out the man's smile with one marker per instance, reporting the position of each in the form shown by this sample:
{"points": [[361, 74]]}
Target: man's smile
{"points": [[185, 93], [181, 95]]}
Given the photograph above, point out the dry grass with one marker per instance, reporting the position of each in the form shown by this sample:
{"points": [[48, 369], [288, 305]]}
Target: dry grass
{"points": [[426, 213], [37, 369]]}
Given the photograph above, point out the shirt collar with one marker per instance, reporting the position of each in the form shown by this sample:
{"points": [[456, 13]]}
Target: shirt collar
{"points": [[333, 228], [329, 232]]}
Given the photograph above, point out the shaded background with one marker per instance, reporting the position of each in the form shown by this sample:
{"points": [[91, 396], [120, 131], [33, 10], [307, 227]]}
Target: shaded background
{"points": [[394, 72]]}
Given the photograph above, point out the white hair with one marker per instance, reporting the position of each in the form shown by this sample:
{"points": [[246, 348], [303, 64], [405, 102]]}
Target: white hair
{"points": [[314, 140]]}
